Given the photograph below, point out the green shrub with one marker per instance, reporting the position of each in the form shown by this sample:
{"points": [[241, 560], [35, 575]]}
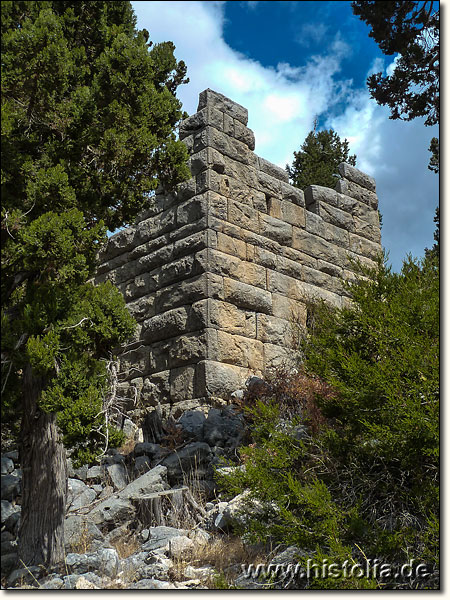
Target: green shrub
{"points": [[363, 479]]}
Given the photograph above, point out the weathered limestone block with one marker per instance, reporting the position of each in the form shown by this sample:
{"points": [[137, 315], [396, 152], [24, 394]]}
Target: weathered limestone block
{"points": [[182, 383], [236, 350], [243, 215], [329, 268], [142, 308], [273, 330], [140, 285], [300, 257], [175, 322], [293, 214], [279, 356], [315, 246], [206, 116], [261, 256], [247, 296], [364, 247], [192, 210], [366, 230], [275, 229], [183, 268], [292, 311], [244, 134], [231, 266], [226, 145], [292, 194], [349, 188], [208, 158], [289, 267], [216, 379], [273, 170], [180, 293], [274, 208], [156, 390], [118, 243], [353, 174], [219, 102], [315, 224], [335, 216], [232, 246], [231, 319], [269, 184]]}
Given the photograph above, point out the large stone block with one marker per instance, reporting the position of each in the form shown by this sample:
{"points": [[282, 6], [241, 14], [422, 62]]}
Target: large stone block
{"points": [[315, 246], [273, 330], [349, 172], [215, 100], [230, 318], [364, 247], [247, 296], [175, 322], [243, 215], [244, 134], [192, 210], [273, 170], [231, 266], [226, 145], [182, 383], [279, 356], [180, 293], [293, 214], [209, 115], [349, 188], [232, 246], [216, 379], [236, 350], [275, 229], [289, 310]]}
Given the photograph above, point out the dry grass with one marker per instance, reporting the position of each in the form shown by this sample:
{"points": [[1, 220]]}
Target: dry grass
{"points": [[128, 446], [224, 553], [126, 545], [83, 543]]}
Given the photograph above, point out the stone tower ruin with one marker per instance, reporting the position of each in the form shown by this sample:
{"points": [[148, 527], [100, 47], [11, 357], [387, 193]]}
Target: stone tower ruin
{"points": [[219, 273]]}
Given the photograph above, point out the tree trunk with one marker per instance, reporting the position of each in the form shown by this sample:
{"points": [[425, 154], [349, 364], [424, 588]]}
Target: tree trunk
{"points": [[44, 481]]}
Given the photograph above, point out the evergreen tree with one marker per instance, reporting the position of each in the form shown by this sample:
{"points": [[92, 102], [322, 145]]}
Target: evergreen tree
{"points": [[316, 163], [411, 31], [88, 118], [363, 479]]}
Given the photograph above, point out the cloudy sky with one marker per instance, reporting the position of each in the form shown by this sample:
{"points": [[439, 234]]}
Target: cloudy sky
{"points": [[292, 62]]}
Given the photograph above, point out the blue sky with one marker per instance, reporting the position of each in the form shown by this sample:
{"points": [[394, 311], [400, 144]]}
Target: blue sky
{"points": [[292, 62]]}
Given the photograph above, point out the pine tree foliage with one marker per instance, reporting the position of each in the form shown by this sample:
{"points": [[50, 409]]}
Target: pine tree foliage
{"points": [[88, 119], [366, 482], [411, 31], [316, 163]]}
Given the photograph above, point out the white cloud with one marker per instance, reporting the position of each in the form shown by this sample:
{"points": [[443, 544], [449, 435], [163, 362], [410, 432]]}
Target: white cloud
{"points": [[283, 102]]}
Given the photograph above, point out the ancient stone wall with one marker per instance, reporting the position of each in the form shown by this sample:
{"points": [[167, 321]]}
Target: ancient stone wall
{"points": [[218, 274]]}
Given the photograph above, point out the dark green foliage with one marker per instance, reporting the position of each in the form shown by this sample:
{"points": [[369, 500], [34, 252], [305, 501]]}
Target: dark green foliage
{"points": [[433, 165], [411, 31], [317, 161], [367, 480], [88, 119]]}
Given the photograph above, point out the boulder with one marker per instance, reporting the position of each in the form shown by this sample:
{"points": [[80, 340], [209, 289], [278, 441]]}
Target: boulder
{"points": [[79, 529], [147, 449], [191, 457], [10, 487], [118, 475], [114, 509], [104, 561], [191, 423], [7, 510], [223, 427], [24, 576], [7, 465], [159, 537], [179, 546], [79, 495]]}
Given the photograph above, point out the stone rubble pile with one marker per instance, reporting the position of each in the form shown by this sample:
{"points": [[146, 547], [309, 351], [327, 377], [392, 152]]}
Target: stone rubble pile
{"points": [[148, 499]]}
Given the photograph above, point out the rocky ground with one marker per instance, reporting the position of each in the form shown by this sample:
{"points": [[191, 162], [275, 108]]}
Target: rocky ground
{"points": [[149, 516]]}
